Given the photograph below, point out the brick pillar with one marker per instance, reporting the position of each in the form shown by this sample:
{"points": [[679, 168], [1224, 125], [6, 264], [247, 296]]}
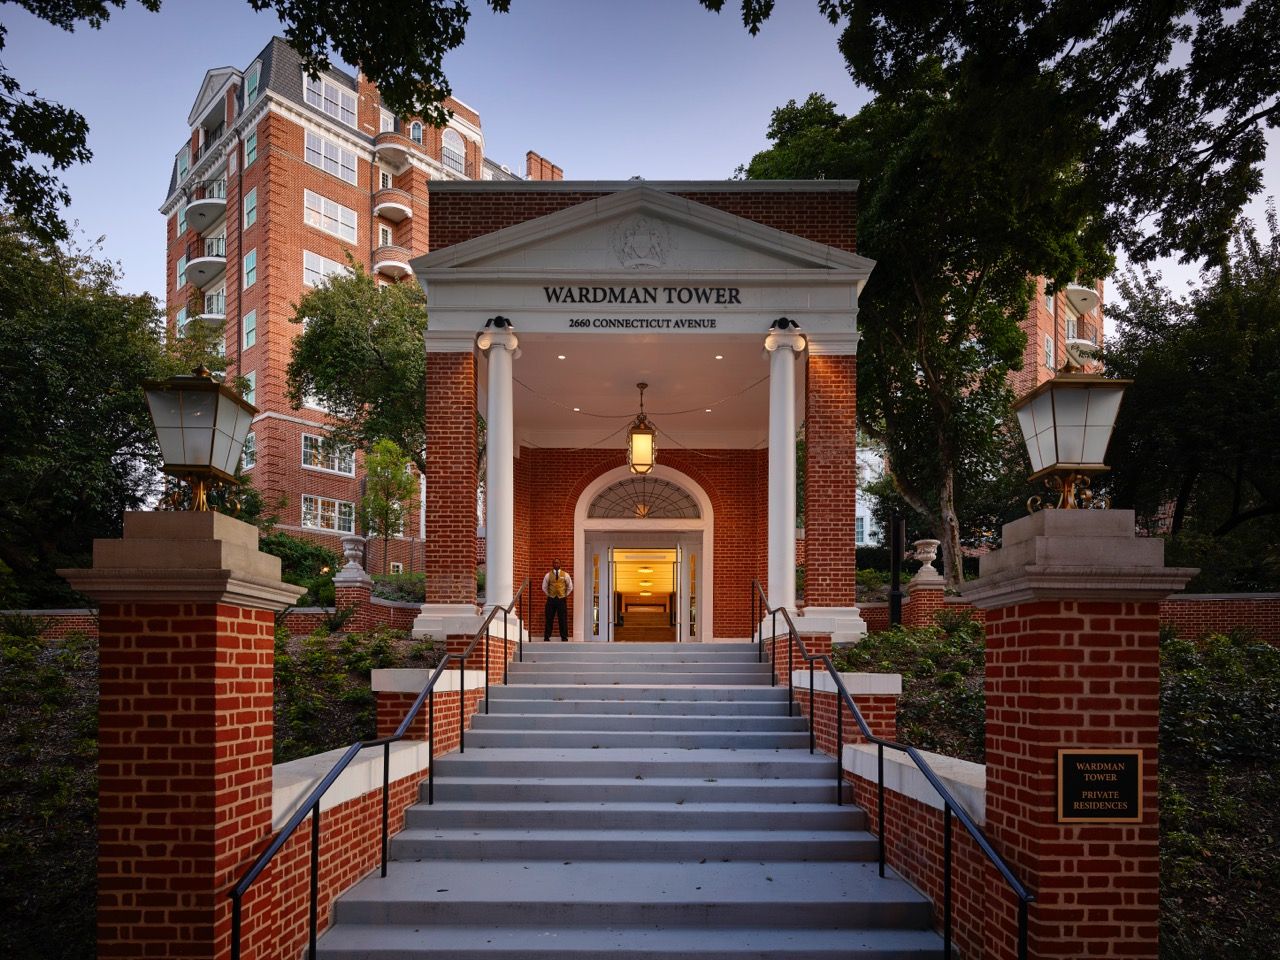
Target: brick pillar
{"points": [[353, 588], [186, 640], [926, 592], [1073, 661]]}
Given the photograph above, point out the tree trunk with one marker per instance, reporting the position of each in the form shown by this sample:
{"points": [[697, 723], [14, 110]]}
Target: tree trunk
{"points": [[386, 553], [952, 565]]}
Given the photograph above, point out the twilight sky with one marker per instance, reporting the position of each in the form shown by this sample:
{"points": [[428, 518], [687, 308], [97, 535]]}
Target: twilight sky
{"points": [[608, 89]]}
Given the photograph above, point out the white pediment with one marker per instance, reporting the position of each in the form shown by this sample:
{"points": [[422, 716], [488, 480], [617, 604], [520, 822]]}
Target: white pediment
{"points": [[639, 236], [215, 82]]}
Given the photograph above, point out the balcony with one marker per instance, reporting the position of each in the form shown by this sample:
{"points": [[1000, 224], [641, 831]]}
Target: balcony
{"points": [[391, 261], [393, 204], [207, 204], [393, 148], [206, 260], [209, 138], [214, 309], [1082, 299]]}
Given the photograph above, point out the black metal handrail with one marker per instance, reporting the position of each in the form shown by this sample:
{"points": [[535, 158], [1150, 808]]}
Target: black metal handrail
{"points": [[311, 805], [951, 806]]}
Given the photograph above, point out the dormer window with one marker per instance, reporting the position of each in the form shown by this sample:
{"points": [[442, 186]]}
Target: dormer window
{"points": [[184, 162], [415, 132], [331, 98], [386, 122], [454, 152], [251, 89]]}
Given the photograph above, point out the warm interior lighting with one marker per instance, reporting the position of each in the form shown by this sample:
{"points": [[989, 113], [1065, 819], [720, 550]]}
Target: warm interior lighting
{"points": [[641, 448], [645, 593]]}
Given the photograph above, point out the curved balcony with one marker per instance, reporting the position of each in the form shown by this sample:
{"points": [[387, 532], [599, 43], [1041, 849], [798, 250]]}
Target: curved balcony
{"points": [[393, 204], [206, 260], [392, 261], [207, 204], [392, 147], [1082, 298], [214, 308]]}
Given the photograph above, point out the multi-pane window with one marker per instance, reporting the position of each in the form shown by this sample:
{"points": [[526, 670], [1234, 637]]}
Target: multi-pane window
{"points": [[250, 148], [323, 454], [180, 321], [1073, 325], [250, 326], [251, 208], [329, 216], [249, 456], [386, 122], [454, 151], [415, 132], [1048, 351], [331, 98], [1048, 302], [321, 513], [251, 385], [384, 236], [182, 219], [384, 180], [250, 268], [330, 157], [251, 87], [860, 529], [184, 162], [182, 269], [397, 567], [316, 269]]}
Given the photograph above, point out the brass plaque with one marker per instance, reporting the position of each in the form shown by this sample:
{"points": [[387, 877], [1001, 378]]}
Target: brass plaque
{"points": [[1099, 786]]}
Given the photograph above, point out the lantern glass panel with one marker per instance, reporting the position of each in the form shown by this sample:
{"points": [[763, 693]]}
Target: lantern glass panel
{"points": [[641, 451], [198, 411], [1027, 422], [1104, 406], [1069, 410], [1071, 444], [166, 408], [1095, 443]]}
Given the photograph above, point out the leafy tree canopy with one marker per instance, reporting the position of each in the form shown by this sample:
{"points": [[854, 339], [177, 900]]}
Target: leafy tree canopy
{"points": [[388, 488], [400, 46], [361, 356]]}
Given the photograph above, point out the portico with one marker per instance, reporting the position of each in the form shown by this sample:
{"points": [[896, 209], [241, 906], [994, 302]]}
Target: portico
{"points": [[550, 306]]}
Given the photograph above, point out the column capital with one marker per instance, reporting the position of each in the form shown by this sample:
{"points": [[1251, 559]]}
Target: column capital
{"points": [[782, 339], [500, 338]]}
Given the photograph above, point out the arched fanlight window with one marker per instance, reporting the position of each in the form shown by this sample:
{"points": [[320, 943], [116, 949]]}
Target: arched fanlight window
{"points": [[453, 152], [415, 132], [644, 498]]}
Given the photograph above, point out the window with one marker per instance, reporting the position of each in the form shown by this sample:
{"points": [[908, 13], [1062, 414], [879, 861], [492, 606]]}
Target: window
{"points": [[384, 180], [316, 269], [250, 326], [182, 219], [182, 269], [250, 149], [1048, 351], [180, 321], [184, 162], [860, 529], [251, 208], [384, 236], [251, 87], [330, 157], [250, 268], [249, 456], [1048, 300], [397, 567], [386, 122], [323, 454], [251, 385], [329, 216], [415, 132], [321, 513], [454, 151], [331, 98]]}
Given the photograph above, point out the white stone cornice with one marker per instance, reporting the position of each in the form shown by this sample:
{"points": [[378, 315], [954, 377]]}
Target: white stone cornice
{"points": [[834, 344], [449, 341]]}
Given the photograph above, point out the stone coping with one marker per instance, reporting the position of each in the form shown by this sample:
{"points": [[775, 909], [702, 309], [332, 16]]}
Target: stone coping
{"points": [[412, 680], [53, 612], [858, 684], [292, 781], [966, 780], [1223, 596], [665, 186], [398, 604]]}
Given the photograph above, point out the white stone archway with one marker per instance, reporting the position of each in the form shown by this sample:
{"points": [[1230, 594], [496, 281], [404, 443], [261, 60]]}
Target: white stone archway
{"points": [[703, 525]]}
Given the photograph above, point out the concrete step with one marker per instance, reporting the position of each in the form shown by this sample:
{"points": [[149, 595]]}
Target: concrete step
{"points": [[629, 893], [642, 942], [552, 762], [508, 702], [603, 815], [638, 653], [554, 648], [685, 739], [505, 720], [816, 788], [675, 667], [612, 676], [666, 693], [594, 843]]}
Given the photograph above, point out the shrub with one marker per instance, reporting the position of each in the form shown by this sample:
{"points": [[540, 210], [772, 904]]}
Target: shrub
{"points": [[304, 564], [402, 587]]}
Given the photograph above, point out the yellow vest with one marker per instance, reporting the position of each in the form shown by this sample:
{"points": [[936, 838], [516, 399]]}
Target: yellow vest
{"points": [[557, 586]]}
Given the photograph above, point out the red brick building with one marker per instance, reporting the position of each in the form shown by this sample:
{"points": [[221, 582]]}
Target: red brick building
{"points": [[736, 304], [281, 178]]}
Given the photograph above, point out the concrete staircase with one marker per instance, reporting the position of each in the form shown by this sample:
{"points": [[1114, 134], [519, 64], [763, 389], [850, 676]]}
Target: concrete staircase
{"points": [[635, 802]]}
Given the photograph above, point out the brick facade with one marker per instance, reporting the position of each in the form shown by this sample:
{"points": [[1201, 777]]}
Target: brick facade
{"points": [[831, 481], [451, 477]]}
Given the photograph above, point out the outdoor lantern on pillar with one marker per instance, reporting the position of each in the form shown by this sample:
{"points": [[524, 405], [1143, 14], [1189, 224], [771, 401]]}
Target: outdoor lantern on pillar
{"points": [[642, 452], [1067, 424], [201, 425]]}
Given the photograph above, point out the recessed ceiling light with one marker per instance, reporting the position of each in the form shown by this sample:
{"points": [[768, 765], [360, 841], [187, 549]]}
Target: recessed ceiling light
{"points": [[646, 583], [560, 356], [708, 409], [644, 569], [645, 593], [577, 409], [719, 356]]}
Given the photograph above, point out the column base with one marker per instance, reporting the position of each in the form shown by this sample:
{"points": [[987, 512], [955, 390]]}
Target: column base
{"points": [[514, 627], [845, 624], [441, 620]]}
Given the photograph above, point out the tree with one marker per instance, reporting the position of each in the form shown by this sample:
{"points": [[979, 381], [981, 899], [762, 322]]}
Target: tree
{"points": [[388, 488], [400, 46], [1197, 443], [361, 356], [1165, 102], [960, 207]]}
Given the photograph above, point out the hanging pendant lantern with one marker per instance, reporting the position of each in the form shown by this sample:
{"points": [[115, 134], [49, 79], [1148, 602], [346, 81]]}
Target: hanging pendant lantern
{"points": [[642, 451]]}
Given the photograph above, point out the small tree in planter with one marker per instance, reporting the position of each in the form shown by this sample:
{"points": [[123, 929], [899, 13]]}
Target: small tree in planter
{"points": [[388, 489]]}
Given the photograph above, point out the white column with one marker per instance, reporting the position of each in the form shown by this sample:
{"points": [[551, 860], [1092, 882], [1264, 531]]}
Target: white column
{"points": [[502, 347], [783, 347]]}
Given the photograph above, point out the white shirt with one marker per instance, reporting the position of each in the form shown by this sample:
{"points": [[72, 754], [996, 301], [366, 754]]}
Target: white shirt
{"points": [[546, 582]]}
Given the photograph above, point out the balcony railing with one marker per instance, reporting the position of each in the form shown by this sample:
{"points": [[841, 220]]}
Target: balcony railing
{"points": [[209, 137], [215, 305], [393, 204], [209, 190], [453, 160], [207, 247]]}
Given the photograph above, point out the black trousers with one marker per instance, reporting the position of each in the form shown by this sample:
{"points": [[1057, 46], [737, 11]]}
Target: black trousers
{"points": [[557, 607]]}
